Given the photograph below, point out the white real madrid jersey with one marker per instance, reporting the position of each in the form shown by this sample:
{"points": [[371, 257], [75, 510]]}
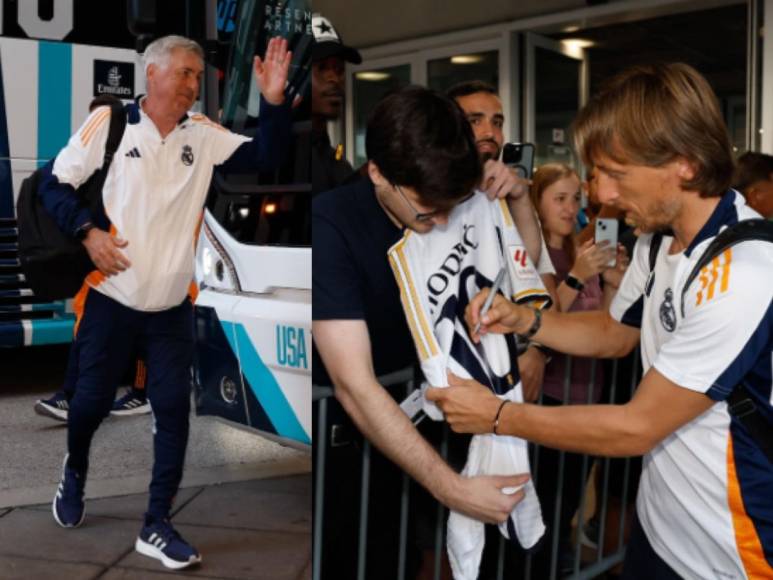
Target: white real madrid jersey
{"points": [[438, 273], [705, 499], [153, 196]]}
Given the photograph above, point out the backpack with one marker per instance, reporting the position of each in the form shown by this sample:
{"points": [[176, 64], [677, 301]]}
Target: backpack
{"points": [[54, 263], [739, 403]]}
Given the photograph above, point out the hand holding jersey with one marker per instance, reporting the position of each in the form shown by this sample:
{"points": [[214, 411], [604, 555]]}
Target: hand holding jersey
{"points": [[500, 181], [703, 501]]}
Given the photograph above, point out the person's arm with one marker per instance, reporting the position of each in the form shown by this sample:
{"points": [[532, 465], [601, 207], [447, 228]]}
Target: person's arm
{"points": [[81, 157], [591, 260], [531, 367], [525, 219], [344, 346], [590, 334], [500, 181], [267, 149], [61, 202], [613, 277], [659, 407]]}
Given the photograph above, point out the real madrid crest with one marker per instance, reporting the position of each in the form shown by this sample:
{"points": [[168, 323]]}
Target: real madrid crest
{"points": [[187, 155], [667, 312]]}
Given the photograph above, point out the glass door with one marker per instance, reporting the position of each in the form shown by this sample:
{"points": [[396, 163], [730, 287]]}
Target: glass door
{"points": [[555, 89]]}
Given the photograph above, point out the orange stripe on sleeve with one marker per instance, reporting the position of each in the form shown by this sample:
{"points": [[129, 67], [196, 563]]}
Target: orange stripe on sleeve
{"points": [[88, 132], [97, 115], [726, 270], [746, 538], [714, 273]]}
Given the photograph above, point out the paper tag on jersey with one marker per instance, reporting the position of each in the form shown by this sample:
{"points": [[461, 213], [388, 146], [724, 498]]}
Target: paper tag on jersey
{"points": [[413, 404]]}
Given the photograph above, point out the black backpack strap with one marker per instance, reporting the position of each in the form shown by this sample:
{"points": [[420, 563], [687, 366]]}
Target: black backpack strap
{"points": [[657, 239], [739, 403], [741, 406], [115, 133], [756, 229], [655, 242]]}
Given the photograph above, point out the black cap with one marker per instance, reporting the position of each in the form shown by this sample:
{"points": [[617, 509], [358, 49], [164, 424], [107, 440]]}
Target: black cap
{"points": [[327, 42]]}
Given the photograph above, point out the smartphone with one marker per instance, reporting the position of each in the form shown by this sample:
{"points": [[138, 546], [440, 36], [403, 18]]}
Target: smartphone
{"points": [[519, 156], [606, 230]]}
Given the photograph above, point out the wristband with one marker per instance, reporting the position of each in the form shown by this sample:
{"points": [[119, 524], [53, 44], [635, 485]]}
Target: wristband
{"points": [[535, 326], [499, 412], [574, 283]]}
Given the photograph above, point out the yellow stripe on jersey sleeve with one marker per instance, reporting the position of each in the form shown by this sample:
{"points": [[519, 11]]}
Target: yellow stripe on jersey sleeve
{"points": [[529, 292], [506, 212], [423, 355], [417, 318]]}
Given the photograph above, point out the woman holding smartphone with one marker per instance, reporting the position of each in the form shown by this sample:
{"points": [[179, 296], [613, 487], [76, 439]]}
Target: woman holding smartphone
{"points": [[555, 192]]}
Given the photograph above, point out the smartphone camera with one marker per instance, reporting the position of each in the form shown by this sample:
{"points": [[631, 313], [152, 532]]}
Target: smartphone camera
{"points": [[519, 156]]}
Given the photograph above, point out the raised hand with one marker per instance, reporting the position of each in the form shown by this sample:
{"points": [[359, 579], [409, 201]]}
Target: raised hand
{"points": [[592, 259], [613, 276], [271, 71], [499, 181]]}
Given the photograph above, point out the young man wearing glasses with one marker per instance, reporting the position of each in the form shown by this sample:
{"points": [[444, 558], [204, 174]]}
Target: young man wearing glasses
{"points": [[422, 163]]}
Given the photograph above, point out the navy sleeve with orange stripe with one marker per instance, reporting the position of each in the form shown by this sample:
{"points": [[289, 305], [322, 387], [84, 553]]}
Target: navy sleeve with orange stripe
{"points": [[61, 202], [268, 147]]}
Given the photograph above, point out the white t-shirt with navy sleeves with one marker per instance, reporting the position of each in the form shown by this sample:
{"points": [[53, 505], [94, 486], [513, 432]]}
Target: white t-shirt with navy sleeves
{"points": [[705, 499]]}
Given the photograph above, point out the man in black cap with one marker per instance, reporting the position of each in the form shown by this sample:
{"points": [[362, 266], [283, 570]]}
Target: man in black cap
{"points": [[328, 166]]}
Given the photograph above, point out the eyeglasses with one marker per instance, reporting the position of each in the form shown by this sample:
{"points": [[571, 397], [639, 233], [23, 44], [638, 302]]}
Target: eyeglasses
{"points": [[426, 216]]}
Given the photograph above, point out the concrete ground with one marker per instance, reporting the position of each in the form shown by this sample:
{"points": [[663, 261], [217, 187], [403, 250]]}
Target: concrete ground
{"points": [[245, 502], [258, 529]]}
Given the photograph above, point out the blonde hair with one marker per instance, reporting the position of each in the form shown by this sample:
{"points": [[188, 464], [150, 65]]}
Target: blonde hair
{"points": [[545, 176], [651, 114]]}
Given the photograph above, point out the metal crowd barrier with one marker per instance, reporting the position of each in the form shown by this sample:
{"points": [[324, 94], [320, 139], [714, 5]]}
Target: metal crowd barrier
{"points": [[586, 563]]}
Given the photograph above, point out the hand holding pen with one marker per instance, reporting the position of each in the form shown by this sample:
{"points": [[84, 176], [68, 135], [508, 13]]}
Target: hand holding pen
{"points": [[488, 302]]}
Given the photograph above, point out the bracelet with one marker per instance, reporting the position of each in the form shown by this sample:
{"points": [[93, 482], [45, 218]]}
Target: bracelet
{"points": [[499, 412], [535, 326], [574, 283]]}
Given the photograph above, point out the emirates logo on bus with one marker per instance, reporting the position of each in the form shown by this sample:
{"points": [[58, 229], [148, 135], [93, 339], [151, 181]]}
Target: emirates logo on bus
{"points": [[114, 78]]}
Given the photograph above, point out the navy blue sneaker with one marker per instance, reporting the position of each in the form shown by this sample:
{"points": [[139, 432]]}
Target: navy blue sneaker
{"points": [[56, 407], [159, 540], [68, 506], [130, 404]]}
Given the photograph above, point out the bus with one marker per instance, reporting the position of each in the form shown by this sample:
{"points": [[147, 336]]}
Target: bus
{"points": [[253, 260], [50, 70]]}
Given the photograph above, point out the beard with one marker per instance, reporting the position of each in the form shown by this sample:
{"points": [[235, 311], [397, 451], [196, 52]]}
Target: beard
{"points": [[488, 154]]}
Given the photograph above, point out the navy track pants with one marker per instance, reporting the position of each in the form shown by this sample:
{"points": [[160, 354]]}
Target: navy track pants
{"points": [[109, 336]]}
